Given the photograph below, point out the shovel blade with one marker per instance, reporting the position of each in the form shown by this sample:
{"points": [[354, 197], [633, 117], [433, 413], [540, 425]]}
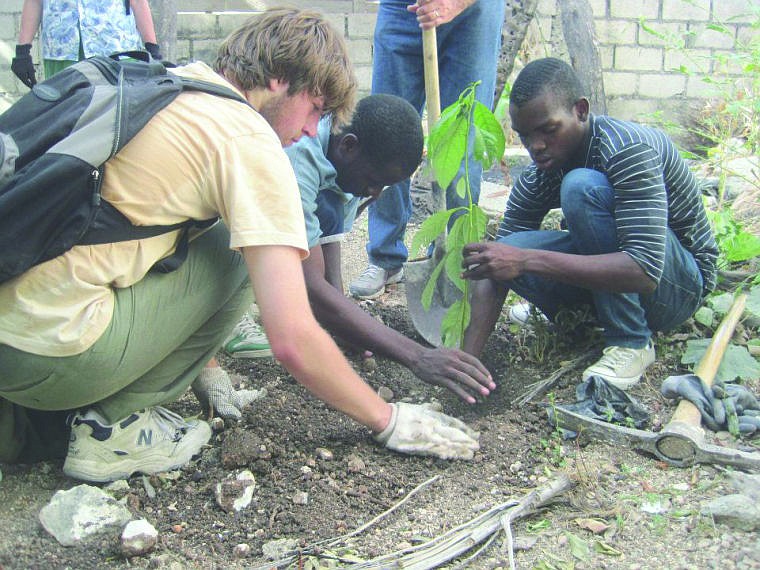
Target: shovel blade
{"points": [[428, 322]]}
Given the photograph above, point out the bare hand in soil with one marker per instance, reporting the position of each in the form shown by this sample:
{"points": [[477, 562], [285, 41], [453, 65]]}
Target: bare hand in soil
{"points": [[460, 372], [420, 430]]}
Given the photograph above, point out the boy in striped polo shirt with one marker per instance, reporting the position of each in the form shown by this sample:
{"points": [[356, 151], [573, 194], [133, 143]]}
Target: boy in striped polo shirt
{"points": [[638, 247]]}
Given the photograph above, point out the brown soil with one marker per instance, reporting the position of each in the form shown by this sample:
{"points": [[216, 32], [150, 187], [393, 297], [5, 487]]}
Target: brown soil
{"points": [[281, 434]]}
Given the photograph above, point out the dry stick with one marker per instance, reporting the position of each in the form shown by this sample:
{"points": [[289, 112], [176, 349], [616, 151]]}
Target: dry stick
{"points": [[530, 504], [542, 386], [333, 541], [455, 542]]}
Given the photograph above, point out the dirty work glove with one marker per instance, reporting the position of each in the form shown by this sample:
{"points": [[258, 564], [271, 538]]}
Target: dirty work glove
{"points": [[729, 407], [153, 50], [420, 430], [214, 391], [23, 66]]}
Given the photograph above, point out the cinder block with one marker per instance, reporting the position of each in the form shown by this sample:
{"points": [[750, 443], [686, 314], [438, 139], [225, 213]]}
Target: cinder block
{"points": [[662, 34], [547, 7], [327, 6], [734, 11], [360, 52], [598, 8], [638, 58], [635, 109], [697, 61], [204, 50], [361, 25], [686, 10], [200, 6], [697, 87], [197, 26], [337, 21], [8, 28], [607, 56], [634, 9], [620, 84], [615, 31], [710, 38], [364, 77], [230, 21], [662, 85], [11, 6]]}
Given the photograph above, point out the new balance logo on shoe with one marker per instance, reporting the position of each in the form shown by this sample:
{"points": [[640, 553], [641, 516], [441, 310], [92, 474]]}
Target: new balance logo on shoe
{"points": [[145, 437]]}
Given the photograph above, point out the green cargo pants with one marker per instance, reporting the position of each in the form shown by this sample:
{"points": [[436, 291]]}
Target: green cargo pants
{"points": [[163, 331]]}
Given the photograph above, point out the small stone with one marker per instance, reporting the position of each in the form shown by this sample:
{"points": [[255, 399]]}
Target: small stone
{"points": [[356, 464], [234, 495], [369, 364], [241, 550], [217, 424], [138, 537], [324, 454], [301, 498], [307, 472], [385, 393]]}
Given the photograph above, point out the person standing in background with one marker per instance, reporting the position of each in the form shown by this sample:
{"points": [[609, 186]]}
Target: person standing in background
{"points": [[73, 30], [469, 39]]}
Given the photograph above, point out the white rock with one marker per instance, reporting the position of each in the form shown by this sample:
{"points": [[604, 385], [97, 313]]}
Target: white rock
{"points": [[234, 495], [301, 498], [138, 538]]}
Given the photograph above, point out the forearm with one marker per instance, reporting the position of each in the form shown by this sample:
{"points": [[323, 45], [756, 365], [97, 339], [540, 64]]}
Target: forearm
{"points": [[344, 318], [300, 344], [31, 15], [144, 21], [615, 272]]}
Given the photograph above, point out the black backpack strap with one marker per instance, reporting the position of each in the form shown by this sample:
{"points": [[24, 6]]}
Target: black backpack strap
{"points": [[211, 88]]}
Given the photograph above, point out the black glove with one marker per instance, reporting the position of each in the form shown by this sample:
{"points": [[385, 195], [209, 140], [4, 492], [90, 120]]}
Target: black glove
{"points": [[23, 66], [153, 50]]}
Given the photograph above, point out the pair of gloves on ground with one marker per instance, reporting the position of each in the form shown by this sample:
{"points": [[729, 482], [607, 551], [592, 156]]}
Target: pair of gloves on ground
{"points": [[724, 406], [414, 429], [23, 66]]}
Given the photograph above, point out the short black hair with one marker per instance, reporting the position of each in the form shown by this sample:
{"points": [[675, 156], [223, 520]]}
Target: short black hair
{"points": [[389, 130], [546, 74]]}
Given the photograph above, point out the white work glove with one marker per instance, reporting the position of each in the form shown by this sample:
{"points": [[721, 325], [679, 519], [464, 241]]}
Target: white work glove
{"points": [[420, 430], [214, 391]]}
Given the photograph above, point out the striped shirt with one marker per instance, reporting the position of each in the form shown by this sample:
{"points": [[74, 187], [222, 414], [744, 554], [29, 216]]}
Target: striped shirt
{"points": [[654, 190]]}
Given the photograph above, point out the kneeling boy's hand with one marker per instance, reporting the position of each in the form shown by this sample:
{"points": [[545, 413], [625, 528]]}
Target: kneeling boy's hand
{"points": [[420, 430]]}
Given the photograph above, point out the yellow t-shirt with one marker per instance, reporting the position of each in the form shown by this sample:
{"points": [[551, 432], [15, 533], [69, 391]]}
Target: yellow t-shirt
{"points": [[200, 157]]}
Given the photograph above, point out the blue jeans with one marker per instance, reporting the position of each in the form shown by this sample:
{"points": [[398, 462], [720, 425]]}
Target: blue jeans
{"points": [[628, 319], [468, 49]]}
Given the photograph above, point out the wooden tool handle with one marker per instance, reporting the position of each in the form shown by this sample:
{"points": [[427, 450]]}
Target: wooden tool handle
{"points": [[708, 366], [430, 65]]}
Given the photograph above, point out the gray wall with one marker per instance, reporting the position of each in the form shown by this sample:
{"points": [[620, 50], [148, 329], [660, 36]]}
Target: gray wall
{"points": [[638, 70]]}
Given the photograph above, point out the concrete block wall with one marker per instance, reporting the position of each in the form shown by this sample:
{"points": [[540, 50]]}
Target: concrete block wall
{"points": [[639, 74]]}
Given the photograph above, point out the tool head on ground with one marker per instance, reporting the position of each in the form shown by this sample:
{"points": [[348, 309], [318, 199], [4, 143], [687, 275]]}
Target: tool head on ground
{"points": [[418, 272], [681, 441]]}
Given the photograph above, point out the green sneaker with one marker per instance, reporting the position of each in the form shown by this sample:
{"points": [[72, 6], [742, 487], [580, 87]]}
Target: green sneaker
{"points": [[247, 340], [150, 441]]}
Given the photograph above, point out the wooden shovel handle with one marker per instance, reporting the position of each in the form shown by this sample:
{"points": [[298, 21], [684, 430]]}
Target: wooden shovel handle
{"points": [[708, 366], [430, 65]]}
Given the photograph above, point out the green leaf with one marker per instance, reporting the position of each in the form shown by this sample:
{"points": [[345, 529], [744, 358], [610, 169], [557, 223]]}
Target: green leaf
{"points": [[737, 362], [742, 247], [491, 133], [430, 229], [705, 316], [427, 292], [721, 304], [447, 145], [455, 320], [753, 301], [579, 548], [603, 548]]}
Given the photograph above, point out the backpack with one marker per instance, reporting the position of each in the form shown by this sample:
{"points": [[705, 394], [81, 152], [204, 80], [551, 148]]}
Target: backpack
{"points": [[54, 142]]}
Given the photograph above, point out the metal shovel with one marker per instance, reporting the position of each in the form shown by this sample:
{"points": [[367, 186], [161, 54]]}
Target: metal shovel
{"points": [[418, 272]]}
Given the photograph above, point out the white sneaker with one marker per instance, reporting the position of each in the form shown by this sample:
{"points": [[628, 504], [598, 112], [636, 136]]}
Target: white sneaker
{"points": [[150, 441], [247, 340], [371, 283], [523, 313], [622, 367]]}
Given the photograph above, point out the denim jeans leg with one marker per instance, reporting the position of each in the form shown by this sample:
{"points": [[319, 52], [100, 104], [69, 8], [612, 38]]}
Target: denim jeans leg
{"points": [[588, 204], [679, 292], [468, 49]]}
